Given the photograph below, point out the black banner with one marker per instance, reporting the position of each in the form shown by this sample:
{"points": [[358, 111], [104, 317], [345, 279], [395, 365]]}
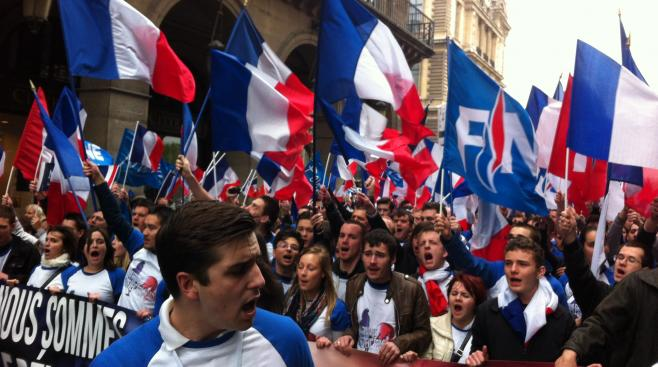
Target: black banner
{"points": [[38, 328]]}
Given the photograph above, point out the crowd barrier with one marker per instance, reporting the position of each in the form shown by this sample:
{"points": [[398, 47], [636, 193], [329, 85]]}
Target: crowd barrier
{"points": [[38, 328]]}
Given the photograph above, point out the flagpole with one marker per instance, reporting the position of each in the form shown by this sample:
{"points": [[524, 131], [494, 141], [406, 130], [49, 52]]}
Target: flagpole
{"points": [[566, 180], [77, 202], [442, 178], [188, 141], [246, 181], [244, 202], [130, 153], [245, 187], [162, 186], [11, 175], [68, 179], [326, 166], [36, 172]]}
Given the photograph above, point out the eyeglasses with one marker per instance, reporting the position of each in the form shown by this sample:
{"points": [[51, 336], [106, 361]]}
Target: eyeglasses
{"points": [[629, 259], [288, 246]]}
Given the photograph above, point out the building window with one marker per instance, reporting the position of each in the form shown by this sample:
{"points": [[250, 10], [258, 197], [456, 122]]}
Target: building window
{"points": [[415, 73]]}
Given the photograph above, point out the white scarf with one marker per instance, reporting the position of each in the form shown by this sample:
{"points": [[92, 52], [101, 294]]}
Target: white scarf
{"points": [[543, 301], [441, 275], [58, 262]]}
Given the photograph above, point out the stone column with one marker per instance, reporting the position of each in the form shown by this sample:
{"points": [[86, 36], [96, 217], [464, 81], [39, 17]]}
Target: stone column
{"points": [[111, 107]]}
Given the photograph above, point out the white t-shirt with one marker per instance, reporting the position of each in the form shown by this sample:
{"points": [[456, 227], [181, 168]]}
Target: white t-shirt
{"points": [[458, 336], [141, 281], [332, 327], [106, 284], [376, 318], [40, 275]]}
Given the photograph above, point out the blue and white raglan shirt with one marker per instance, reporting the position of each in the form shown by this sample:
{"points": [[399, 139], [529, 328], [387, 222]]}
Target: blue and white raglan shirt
{"points": [[42, 273], [142, 277], [106, 283], [272, 341], [332, 328]]}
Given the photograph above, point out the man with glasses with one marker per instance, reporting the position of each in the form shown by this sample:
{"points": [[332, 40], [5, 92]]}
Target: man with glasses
{"points": [[587, 290], [287, 246]]}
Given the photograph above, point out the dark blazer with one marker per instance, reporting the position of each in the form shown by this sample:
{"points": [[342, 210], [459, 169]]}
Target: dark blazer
{"points": [[491, 329], [22, 259]]}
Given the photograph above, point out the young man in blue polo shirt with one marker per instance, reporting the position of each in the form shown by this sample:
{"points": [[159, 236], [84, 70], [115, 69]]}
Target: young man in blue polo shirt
{"points": [[207, 255]]}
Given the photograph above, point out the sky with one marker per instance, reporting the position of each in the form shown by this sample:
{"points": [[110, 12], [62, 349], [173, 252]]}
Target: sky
{"points": [[542, 42]]}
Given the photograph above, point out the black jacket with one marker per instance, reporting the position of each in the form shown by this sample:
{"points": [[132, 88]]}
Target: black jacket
{"points": [[624, 323], [491, 329], [587, 290], [22, 259]]}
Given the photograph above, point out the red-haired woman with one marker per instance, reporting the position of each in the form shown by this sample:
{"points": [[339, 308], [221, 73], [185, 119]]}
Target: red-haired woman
{"points": [[451, 332]]}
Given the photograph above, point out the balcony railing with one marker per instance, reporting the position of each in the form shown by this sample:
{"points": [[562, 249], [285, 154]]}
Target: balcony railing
{"points": [[407, 16]]}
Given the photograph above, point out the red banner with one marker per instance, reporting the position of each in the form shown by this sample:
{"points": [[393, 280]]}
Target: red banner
{"points": [[330, 357]]}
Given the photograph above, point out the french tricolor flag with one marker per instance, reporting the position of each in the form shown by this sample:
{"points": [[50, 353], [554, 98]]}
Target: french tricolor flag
{"points": [[247, 44], [218, 178], [109, 39], [490, 232], [285, 184], [249, 114], [147, 148], [359, 56], [613, 112]]}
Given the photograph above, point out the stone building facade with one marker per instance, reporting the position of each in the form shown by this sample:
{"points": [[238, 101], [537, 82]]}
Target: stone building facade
{"points": [[480, 28]]}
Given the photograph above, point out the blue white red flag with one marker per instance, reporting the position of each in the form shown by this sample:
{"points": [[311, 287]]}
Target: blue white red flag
{"points": [[67, 176], [360, 58], [610, 108], [249, 114], [147, 148], [247, 44], [490, 138], [285, 184], [218, 178], [109, 39], [587, 177], [618, 172]]}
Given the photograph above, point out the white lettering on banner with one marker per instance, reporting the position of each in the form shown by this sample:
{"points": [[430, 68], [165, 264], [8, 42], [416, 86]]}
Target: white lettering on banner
{"points": [[72, 326], [9, 361]]}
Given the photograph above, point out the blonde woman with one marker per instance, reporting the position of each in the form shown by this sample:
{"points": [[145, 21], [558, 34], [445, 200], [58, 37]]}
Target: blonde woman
{"points": [[312, 300], [37, 219]]}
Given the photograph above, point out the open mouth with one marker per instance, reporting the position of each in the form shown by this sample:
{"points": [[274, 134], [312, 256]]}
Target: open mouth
{"points": [[287, 258], [458, 308], [46, 250], [621, 272], [373, 269], [94, 253], [428, 256], [515, 282]]}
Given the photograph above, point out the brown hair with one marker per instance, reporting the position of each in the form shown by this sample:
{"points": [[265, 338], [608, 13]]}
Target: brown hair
{"points": [[526, 244], [474, 285], [187, 243]]}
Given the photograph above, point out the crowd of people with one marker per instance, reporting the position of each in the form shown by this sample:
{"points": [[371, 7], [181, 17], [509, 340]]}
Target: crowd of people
{"points": [[251, 285]]}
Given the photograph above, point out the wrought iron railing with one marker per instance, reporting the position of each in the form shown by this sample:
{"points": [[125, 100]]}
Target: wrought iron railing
{"points": [[407, 16]]}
